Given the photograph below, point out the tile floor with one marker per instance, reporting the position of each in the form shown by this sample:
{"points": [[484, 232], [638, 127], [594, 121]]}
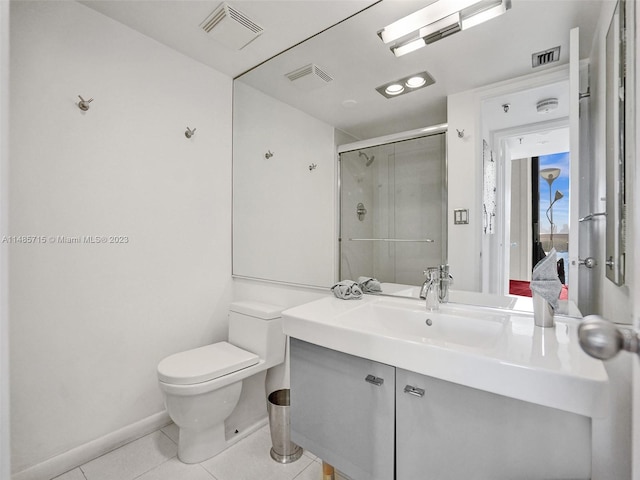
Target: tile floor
{"points": [[153, 457]]}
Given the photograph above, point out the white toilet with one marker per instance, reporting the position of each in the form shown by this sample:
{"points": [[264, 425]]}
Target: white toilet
{"points": [[202, 386]]}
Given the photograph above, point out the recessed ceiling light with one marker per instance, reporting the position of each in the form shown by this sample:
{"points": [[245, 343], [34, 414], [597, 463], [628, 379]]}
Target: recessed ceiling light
{"points": [[394, 89], [415, 82]]}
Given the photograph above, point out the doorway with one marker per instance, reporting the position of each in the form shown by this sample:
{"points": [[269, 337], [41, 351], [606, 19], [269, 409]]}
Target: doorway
{"points": [[524, 230], [539, 217]]}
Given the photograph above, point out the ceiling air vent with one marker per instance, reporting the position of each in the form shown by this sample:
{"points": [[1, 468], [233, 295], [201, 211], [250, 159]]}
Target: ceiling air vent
{"points": [[309, 77], [545, 57], [231, 28]]}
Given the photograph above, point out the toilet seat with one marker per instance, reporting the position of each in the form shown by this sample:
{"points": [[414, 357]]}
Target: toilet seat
{"points": [[205, 363]]}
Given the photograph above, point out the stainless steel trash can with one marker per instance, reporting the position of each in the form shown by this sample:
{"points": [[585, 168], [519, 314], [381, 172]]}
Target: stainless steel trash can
{"points": [[283, 449]]}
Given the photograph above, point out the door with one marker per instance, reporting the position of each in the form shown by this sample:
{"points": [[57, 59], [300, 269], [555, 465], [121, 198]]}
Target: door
{"points": [[575, 186]]}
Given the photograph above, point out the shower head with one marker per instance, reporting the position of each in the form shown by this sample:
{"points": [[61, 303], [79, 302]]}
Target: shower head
{"points": [[369, 160]]}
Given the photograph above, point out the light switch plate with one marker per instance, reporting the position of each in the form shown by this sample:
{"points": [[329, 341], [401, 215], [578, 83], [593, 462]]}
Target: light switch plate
{"points": [[460, 216]]}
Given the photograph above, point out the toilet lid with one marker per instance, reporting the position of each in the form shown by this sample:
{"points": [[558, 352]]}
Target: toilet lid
{"points": [[204, 363]]}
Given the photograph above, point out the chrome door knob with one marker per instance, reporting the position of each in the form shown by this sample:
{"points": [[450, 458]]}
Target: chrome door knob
{"points": [[603, 340], [588, 262]]}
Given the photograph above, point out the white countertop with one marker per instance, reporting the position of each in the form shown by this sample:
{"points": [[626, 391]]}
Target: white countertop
{"points": [[495, 350]]}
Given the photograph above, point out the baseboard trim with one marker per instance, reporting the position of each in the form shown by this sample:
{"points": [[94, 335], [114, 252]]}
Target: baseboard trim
{"points": [[80, 455]]}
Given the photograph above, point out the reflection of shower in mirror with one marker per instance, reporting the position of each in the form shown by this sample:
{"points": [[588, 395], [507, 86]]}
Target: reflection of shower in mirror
{"points": [[369, 160]]}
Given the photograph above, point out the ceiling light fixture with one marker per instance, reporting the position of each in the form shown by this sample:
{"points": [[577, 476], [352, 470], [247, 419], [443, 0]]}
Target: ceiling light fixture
{"points": [[407, 84], [438, 20], [394, 89], [416, 82]]}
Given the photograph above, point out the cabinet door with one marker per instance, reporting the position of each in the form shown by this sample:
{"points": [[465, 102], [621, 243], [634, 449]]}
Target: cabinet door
{"points": [[342, 410], [455, 432]]}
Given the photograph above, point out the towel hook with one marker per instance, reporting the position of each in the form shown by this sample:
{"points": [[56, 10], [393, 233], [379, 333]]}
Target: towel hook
{"points": [[460, 133], [268, 155], [189, 133], [313, 166], [84, 104]]}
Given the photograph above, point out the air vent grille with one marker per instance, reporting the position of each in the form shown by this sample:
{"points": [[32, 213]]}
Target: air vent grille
{"points": [[231, 27], [309, 77], [244, 20], [213, 19], [545, 57]]}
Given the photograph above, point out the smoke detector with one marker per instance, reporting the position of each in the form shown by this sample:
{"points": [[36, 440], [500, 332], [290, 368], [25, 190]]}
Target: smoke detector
{"points": [[230, 27], [547, 105], [309, 77]]}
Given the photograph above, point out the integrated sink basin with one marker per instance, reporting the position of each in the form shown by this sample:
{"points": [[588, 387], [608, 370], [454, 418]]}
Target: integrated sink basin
{"points": [[491, 349], [412, 323]]}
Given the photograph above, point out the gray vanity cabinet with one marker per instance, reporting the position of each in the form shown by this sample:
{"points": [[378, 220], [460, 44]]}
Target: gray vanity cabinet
{"points": [[376, 422], [342, 409], [447, 431]]}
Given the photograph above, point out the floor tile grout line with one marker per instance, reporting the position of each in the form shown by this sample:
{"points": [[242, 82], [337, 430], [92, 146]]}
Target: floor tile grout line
{"points": [[154, 467], [118, 448], [305, 468], [167, 435], [208, 472], [82, 473]]}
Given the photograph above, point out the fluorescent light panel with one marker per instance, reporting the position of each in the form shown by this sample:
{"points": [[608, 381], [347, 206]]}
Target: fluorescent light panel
{"points": [[443, 18], [423, 17], [471, 17]]}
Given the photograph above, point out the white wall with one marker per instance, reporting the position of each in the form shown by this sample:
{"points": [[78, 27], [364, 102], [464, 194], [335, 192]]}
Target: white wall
{"points": [[284, 211], [89, 323], [5, 453], [464, 190], [520, 234]]}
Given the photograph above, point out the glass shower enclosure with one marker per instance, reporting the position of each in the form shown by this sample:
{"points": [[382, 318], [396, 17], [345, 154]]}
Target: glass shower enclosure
{"points": [[393, 222]]}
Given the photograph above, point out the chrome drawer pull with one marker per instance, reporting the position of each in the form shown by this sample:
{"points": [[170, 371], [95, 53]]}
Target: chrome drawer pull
{"points": [[375, 380], [418, 392]]}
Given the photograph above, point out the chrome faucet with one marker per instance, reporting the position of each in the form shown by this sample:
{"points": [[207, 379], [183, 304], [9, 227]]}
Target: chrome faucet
{"points": [[430, 290], [446, 280]]}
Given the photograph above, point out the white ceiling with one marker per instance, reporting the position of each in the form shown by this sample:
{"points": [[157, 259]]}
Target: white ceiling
{"points": [[355, 57], [176, 23]]}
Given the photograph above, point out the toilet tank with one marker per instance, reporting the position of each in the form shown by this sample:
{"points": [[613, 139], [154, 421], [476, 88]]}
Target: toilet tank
{"points": [[257, 328]]}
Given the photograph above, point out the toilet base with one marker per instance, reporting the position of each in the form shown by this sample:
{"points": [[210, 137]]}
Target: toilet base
{"points": [[195, 446]]}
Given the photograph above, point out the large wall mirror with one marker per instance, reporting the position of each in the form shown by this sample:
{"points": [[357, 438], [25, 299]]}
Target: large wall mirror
{"points": [[616, 146], [324, 92]]}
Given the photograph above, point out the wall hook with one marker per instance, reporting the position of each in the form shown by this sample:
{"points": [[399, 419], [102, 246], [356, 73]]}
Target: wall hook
{"points": [[460, 133], [360, 211], [84, 104], [313, 166], [268, 155], [189, 133], [506, 107]]}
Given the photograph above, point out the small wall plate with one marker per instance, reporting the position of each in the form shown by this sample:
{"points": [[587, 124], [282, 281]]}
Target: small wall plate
{"points": [[460, 216]]}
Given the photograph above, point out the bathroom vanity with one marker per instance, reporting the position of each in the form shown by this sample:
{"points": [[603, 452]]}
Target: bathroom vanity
{"points": [[383, 389]]}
